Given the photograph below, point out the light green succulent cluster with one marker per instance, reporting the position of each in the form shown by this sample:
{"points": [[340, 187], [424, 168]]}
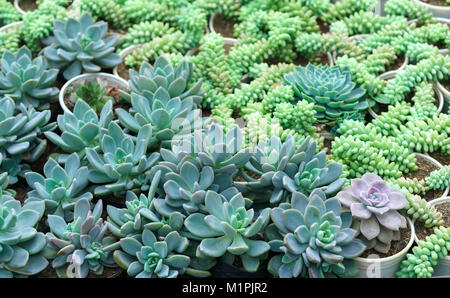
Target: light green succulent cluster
{"points": [[276, 95], [77, 247], [428, 70], [379, 59], [430, 34], [256, 90], [146, 31], [223, 115], [364, 22], [21, 244], [139, 11], [419, 209], [388, 123], [312, 237], [385, 35], [424, 102], [8, 14], [228, 230], [38, 24], [10, 40], [419, 51], [107, 10], [439, 179], [299, 117], [426, 255], [411, 185], [192, 21], [409, 9], [345, 8]]}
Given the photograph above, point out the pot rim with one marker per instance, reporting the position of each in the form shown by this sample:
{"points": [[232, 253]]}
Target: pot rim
{"points": [[10, 26], [439, 165], [400, 254], [435, 7], [211, 29], [123, 54], [441, 200], [86, 76], [17, 7]]}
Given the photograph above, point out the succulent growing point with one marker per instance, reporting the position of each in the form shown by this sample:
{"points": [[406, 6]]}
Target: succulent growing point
{"points": [[78, 46], [175, 82], [27, 80], [286, 168], [77, 247], [61, 188], [312, 237], [329, 88], [374, 203], [20, 244], [146, 257], [121, 162], [228, 230]]}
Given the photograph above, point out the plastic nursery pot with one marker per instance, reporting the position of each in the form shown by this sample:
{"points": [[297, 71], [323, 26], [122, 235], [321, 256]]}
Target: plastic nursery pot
{"points": [[443, 267], [225, 270], [437, 11], [379, 8], [437, 164], [111, 79], [125, 52], [11, 26], [384, 267], [391, 74], [108, 272], [23, 6], [211, 27]]}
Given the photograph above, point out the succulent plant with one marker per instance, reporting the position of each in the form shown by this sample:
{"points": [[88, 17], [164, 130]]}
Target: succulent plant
{"points": [[60, 188], [285, 168], [167, 116], [313, 237], [121, 163], [175, 82], [21, 245], [79, 46], [146, 257], [374, 203], [329, 88], [228, 230], [27, 80], [19, 132], [81, 129], [141, 214], [439, 179], [77, 247], [223, 152], [8, 13], [93, 93]]}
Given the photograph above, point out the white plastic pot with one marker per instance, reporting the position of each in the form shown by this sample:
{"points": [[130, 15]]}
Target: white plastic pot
{"points": [[17, 6], [11, 26], [122, 55], [437, 11], [384, 267], [112, 80], [379, 8], [211, 28], [391, 74], [443, 267]]}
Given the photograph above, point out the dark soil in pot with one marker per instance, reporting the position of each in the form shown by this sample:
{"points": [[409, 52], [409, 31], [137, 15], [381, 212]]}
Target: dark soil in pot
{"points": [[21, 188], [396, 64], [112, 91], [324, 27], [123, 71], [436, 2], [396, 246], [224, 270], [425, 168], [223, 26], [423, 232], [319, 58], [446, 84], [108, 272], [441, 158], [28, 5]]}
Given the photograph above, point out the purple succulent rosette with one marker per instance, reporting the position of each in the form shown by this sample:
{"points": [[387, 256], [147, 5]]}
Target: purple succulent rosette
{"points": [[374, 204]]}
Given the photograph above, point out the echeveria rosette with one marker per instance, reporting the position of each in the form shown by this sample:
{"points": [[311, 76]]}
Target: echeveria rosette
{"points": [[312, 237], [121, 162], [285, 168], [162, 75], [374, 203], [21, 245], [329, 88], [81, 129], [77, 248], [228, 230], [60, 188], [141, 214], [78, 46], [26, 80], [144, 256]]}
